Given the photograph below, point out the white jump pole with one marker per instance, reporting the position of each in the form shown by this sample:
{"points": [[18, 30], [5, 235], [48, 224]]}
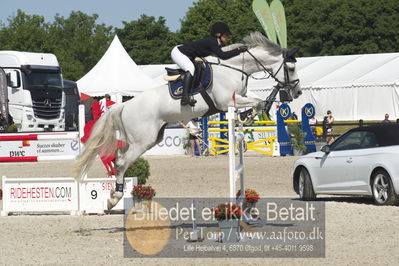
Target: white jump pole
{"points": [[235, 171], [232, 160]]}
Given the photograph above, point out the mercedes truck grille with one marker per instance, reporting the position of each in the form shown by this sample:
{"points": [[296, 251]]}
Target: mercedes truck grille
{"points": [[47, 108]]}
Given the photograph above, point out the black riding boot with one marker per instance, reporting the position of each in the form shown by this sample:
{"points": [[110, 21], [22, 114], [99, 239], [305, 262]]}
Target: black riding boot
{"points": [[187, 83]]}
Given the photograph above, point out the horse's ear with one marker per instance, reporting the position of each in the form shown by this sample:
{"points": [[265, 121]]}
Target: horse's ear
{"points": [[290, 55], [293, 51]]}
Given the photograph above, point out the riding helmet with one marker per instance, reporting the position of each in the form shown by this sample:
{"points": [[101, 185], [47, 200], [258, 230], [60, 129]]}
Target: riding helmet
{"points": [[220, 28]]}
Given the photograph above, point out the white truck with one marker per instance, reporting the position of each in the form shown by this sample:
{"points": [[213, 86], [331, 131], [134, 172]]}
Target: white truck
{"points": [[35, 97]]}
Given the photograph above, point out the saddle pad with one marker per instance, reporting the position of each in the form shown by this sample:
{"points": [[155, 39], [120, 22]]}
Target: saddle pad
{"points": [[176, 87]]}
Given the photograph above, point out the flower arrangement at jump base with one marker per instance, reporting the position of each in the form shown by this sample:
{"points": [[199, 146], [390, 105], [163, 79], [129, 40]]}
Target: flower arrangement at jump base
{"points": [[143, 192], [228, 216], [227, 211], [251, 196]]}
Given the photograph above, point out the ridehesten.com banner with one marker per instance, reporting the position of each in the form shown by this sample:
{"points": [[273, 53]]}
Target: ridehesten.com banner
{"points": [[40, 194]]}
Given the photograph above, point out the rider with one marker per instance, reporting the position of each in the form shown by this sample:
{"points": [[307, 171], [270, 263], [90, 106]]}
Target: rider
{"points": [[184, 55]]}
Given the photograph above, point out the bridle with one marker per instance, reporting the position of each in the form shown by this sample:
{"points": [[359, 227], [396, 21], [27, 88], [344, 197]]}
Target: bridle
{"points": [[288, 57], [268, 73]]}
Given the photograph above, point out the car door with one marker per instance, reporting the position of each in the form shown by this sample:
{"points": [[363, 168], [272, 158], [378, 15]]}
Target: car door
{"points": [[335, 172], [363, 160]]}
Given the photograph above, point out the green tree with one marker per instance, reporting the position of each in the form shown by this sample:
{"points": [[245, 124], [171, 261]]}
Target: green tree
{"points": [[333, 27], [236, 13], [147, 40], [78, 42], [24, 33]]}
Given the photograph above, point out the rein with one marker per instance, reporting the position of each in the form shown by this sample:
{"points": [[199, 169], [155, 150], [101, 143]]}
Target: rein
{"points": [[265, 70], [280, 85]]}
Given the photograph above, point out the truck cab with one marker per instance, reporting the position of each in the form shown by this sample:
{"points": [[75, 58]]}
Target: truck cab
{"points": [[35, 90]]}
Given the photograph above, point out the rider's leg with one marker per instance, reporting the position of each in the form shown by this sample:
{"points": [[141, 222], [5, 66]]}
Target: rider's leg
{"points": [[187, 84], [187, 65]]}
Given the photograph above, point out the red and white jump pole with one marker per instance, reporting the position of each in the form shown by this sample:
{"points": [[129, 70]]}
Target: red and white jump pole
{"points": [[37, 158], [51, 136]]}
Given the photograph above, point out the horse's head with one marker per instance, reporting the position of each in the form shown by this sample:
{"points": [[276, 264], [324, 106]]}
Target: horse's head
{"points": [[278, 62]]}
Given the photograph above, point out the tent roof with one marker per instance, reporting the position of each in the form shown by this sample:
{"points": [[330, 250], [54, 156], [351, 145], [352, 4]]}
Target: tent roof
{"points": [[342, 71], [115, 74]]}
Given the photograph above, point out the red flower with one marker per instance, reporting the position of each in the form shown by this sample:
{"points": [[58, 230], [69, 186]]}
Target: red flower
{"points": [[142, 192]]}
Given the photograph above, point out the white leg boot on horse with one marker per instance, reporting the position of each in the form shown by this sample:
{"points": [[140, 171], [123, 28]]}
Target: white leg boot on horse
{"points": [[142, 120]]}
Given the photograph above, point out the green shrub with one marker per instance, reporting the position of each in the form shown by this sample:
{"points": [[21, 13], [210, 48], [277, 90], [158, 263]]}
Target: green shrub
{"points": [[297, 137], [12, 129], [140, 169]]}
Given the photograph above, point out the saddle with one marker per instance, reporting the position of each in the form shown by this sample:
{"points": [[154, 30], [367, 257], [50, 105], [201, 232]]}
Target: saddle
{"points": [[202, 79]]}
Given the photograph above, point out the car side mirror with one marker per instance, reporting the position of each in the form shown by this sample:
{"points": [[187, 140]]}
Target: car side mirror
{"points": [[13, 79], [326, 149]]}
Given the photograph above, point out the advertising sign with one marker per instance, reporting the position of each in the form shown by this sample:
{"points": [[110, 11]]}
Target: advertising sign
{"points": [[172, 143], [278, 14], [94, 193], [262, 12], [23, 148], [40, 194]]}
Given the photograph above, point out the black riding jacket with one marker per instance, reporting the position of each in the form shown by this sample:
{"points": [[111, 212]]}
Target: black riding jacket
{"points": [[205, 47]]}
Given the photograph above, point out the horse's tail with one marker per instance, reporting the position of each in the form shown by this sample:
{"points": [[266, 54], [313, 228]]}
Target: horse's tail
{"points": [[102, 139]]}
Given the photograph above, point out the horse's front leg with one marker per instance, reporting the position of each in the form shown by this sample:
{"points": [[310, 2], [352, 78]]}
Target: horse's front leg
{"points": [[245, 102], [248, 116]]}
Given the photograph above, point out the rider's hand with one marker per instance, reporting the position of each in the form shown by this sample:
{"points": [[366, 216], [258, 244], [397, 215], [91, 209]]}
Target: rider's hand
{"points": [[243, 48]]}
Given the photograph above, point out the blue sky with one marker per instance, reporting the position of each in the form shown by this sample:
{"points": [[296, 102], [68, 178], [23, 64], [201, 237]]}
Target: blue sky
{"points": [[112, 13]]}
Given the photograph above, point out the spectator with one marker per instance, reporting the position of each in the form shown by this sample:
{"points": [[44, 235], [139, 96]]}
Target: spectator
{"points": [[294, 116], [386, 120], [312, 124], [329, 121], [194, 130]]}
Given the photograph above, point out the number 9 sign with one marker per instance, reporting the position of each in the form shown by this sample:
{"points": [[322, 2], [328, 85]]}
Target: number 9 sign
{"points": [[92, 197]]}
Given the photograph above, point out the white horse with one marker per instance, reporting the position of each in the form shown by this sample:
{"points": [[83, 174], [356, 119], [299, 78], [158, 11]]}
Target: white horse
{"points": [[142, 120]]}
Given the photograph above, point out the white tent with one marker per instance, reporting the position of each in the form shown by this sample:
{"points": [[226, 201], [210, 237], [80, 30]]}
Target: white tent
{"points": [[115, 74], [351, 86]]}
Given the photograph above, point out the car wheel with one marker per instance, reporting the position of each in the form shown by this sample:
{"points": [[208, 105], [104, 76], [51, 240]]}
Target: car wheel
{"points": [[305, 187], [383, 192]]}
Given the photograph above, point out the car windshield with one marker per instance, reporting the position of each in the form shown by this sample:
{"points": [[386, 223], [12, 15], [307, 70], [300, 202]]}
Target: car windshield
{"points": [[43, 79]]}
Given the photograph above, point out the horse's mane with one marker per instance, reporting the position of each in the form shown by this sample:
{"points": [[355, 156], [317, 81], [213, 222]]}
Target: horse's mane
{"points": [[257, 39]]}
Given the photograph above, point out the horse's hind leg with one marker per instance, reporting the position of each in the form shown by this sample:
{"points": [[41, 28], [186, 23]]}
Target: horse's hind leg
{"points": [[125, 157]]}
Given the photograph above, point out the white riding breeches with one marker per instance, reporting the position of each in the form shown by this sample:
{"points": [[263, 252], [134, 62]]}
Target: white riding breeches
{"points": [[182, 60]]}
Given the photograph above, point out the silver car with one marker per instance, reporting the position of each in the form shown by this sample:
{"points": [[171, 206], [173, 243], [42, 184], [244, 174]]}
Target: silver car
{"points": [[363, 161]]}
